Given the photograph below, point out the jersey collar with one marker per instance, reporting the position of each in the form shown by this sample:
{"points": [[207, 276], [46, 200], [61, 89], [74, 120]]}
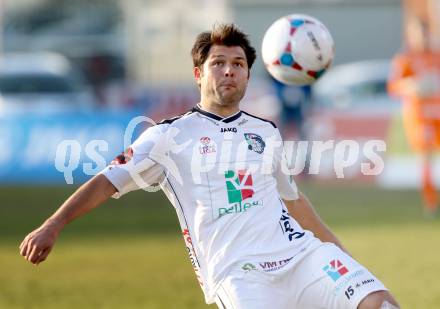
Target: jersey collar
{"points": [[198, 109]]}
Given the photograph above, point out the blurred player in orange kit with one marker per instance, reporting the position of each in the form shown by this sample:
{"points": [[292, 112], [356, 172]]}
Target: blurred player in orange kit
{"points": [[415, 77]]}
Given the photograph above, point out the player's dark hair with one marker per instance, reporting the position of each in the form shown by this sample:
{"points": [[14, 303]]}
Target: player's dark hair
{"points": [[221, 34]]}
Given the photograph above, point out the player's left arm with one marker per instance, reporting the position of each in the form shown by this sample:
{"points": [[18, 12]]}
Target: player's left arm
{"points": [[305, 214]]}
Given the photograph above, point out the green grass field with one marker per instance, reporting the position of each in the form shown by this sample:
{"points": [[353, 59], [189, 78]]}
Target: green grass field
{"points": [[129, 253]]}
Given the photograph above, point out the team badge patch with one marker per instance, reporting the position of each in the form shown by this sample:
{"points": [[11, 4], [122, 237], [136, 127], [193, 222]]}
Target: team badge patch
{"points": [[205, 140], [206, 147], [255, 142]]}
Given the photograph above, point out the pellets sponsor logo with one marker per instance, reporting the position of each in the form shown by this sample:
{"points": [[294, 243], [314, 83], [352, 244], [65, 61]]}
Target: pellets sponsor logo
{"points": [[237, 208], [239, 186], [335, 270]]}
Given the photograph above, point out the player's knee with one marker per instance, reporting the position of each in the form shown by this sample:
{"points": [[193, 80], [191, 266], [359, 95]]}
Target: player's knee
{"points": [[379, 300], [387, 305]]}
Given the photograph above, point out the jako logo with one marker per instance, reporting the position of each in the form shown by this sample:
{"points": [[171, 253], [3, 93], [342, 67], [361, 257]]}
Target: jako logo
{"points": [[335, 270], [223, 130], [239, 185]]}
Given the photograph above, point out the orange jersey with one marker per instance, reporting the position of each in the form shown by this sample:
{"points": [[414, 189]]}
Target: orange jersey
{"points": [[424, 69], [421, 101]]}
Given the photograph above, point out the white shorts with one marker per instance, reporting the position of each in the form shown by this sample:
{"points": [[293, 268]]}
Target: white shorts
{"points": [[325, 278]]}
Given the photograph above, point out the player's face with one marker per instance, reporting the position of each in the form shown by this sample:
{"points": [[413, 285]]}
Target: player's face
{"points": [[224, 76]]}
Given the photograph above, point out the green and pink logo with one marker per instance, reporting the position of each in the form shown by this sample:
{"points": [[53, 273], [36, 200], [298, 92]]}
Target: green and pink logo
{"points": [[239, 185]]}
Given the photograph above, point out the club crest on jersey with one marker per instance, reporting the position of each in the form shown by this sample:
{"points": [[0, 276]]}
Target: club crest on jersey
{"points": [[206, 146], [255, 142], [205, 140], [123, 157]]}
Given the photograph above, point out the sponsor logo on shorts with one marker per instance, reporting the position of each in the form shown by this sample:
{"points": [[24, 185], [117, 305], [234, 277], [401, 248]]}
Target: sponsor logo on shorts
{"points": [[346, 280], [248, 267], [272, 266], [335, 270], [364, 282], [266, 266], [351, 290]]}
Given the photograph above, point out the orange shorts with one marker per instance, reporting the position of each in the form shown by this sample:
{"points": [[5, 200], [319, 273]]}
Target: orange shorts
{"points": [[423, 133]]}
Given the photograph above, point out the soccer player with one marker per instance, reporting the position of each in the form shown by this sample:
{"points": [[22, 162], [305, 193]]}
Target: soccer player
{"points": [[415, 77], [253, 239]]}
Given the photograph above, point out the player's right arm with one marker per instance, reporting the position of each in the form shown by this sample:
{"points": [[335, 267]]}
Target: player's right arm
{"points": [[130, 171], [37, 245]]}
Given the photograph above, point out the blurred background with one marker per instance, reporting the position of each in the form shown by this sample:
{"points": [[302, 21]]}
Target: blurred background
{"points": [[81, 70]]}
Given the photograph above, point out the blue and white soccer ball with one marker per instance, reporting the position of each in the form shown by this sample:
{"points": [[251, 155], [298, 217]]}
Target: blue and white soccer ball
{"points": [[297, 49]]}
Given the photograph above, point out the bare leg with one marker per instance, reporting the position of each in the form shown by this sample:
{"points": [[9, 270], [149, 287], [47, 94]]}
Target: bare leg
{"points": [[379, 300], [429, 193]]}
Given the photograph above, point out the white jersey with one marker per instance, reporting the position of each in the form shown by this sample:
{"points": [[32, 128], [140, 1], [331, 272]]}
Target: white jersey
{"points": [[226, 178]]}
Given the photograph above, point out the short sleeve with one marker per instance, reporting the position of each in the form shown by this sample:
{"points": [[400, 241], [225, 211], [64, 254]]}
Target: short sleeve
{"points": [[286, 185], [137, 167]]}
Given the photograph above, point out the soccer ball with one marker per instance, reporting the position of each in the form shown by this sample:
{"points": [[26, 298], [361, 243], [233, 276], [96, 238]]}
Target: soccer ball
{"points": [[297, 49]]}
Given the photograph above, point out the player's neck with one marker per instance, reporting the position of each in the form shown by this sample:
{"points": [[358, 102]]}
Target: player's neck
{"points": [[220, 110]]}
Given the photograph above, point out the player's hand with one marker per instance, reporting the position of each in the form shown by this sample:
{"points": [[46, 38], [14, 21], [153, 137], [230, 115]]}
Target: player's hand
{"points": [[37, 245]]}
